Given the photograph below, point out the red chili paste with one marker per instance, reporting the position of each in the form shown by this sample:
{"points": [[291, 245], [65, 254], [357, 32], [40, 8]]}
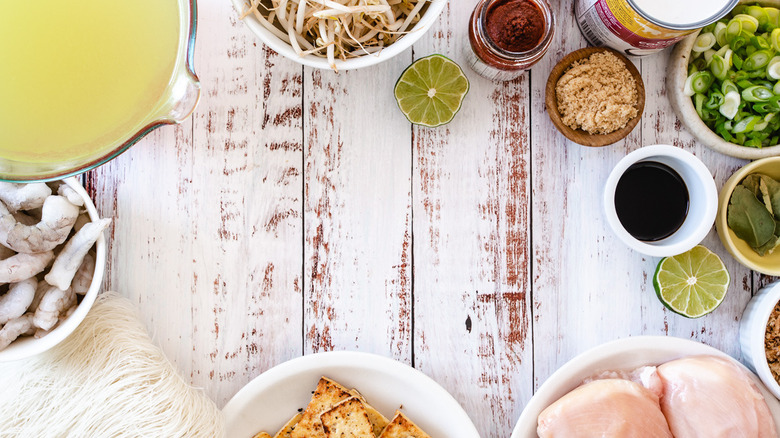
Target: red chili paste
{"points": [[515, 25]]}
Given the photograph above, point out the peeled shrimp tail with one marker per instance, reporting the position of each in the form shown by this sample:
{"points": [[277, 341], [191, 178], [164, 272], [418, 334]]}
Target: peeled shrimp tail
{"points": [[23, 266], [71, 256], [15, 328], [17, 300], [57, 219], [54, 302], [23, 196]]}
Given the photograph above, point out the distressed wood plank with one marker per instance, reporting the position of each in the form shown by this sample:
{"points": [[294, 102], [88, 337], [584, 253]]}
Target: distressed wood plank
{"points": [[471, 246], [357, 213], [207, 236]]}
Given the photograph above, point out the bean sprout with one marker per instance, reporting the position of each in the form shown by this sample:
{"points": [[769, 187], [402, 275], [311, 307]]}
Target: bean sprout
{"points": [[337, 29]]}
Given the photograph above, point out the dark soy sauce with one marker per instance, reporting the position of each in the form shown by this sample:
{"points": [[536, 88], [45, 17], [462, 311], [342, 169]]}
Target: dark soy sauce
{"points": [[651, 200]]}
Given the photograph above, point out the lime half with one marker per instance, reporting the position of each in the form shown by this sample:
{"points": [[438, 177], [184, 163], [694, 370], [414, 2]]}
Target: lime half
{"points": [[431, 91], [693, 283]]}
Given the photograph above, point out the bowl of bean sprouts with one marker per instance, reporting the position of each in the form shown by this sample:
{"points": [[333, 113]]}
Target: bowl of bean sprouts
{"points": [[339, 34]]}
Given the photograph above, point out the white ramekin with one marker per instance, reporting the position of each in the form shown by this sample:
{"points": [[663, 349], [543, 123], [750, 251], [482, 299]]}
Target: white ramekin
{"points": [[702, 203], [751, 334]]}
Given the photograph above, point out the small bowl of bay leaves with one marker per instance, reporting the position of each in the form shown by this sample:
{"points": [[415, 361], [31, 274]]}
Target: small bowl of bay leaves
{"points": [[748, 220]]}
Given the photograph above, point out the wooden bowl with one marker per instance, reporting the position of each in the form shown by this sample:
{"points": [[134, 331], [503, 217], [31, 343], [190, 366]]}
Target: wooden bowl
{"points": [[578, 135]]}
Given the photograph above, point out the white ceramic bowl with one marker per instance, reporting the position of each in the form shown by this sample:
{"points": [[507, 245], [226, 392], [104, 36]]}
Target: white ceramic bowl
{"points": [[751, 333], [28, 346], [702, 204], [623, 354], [677, 73], [272, 398], [428, 18]]}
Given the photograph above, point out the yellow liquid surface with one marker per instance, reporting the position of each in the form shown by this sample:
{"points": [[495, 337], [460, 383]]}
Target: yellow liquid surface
{"points": [[78, 76]]}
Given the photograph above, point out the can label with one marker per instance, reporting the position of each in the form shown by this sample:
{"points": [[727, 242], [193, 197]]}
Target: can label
{"points": [[614, 23]]}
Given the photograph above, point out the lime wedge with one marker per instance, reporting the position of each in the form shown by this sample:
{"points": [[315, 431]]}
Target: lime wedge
{"points": [[431, 91], [693, 283]]}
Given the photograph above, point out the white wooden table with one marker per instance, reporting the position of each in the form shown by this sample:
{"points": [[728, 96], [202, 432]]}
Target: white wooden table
{"points": [[298, 211]]}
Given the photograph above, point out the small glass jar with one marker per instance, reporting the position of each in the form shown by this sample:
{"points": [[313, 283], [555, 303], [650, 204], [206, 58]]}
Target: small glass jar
{"points": [[493, 62]]}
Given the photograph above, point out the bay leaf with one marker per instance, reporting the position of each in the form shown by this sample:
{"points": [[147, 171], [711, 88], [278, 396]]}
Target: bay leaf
{"points": [[773, 188], [752, 182], [749, 218], [769, 247], [764, 197]]}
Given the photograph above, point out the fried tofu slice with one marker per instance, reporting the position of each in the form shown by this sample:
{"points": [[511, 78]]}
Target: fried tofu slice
{"points": [[262, 435], [402, 427], [347, 419], [286, 430], [378, 421], [327, 395]]}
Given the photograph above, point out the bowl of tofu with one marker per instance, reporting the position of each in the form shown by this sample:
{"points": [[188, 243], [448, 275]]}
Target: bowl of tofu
{"points": [[337, 394]]}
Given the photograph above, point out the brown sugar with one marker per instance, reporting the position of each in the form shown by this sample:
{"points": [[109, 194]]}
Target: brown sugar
{"points": [[597, 94]]}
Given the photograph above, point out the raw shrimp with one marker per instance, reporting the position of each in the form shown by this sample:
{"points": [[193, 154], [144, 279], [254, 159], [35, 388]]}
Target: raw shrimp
{"points": [[68, 192], [57, 220], [71, 256], [21, 266], [17, 300], [23, 196], [83, 278], [15, 328], [54, 302]]}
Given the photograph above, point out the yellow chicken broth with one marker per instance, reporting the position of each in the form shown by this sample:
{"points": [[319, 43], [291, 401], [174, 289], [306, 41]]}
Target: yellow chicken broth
{"points": [[76, 76]]}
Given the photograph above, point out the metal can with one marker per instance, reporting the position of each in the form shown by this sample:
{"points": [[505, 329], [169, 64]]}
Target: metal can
{"points": [[643, 27]]}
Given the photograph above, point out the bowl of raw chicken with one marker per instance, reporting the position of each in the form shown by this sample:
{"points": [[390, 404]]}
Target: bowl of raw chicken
{"points": [[52, 258], [651, 386]]}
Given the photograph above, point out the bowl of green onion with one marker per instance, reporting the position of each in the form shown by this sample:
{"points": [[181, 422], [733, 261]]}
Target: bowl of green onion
{"points": [[724, 82]]}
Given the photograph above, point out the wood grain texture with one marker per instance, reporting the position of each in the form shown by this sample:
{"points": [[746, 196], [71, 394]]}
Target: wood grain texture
{"points": [[471, 241], [357, 213], [207, 236]]}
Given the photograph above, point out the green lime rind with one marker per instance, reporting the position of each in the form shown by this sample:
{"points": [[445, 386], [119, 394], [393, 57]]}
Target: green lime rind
{"points": [[430, 92], [691, 284]]}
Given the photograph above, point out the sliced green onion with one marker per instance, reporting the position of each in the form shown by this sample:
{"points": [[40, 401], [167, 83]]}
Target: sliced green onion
{"points": [[714, 101], [774, 17], [737, 61], [760, 43], [744, 84], [775, 39], [773, 70], [698, 102], [745, 125], [728, 86], [757, 93], [720, 33], [730, 104], [719, 67], [757, 60], [701, 81], [747, 22], [708, 56], [776, 88], [704, 41], [759, 14], [733, 29]]}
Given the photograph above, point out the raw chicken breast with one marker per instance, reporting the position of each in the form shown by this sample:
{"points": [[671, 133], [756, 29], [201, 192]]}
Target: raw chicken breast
{"points": [[707, 396], [609, 408]]}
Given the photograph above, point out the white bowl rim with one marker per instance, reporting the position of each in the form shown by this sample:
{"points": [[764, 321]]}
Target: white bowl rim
{"points": [[28, 347], [678, 347], [431, 15], [756, 337], [315, 361], [710, 203]]}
